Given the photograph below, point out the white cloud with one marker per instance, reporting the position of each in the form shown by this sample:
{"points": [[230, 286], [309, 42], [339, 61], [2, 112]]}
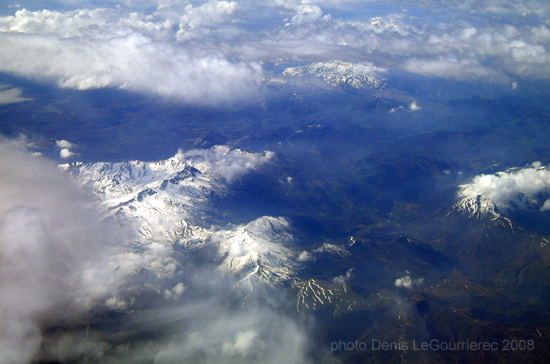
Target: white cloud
{"points": [[453, 68], [249, 336], [64, 144], [505, 187], [207, 14], [178, 289], [19, 338], [116, 303], [515, 188], [244, 342], [408, 282], [221, 160], [65, 153], [175, 292], [217, 58], [344, 278], [394, 109], [52, 250], [546, 205], [11, 96], [210, 52], [64, 24], [414, 106], [491, 7], [306, 14], [98, 48], [305, 257]]}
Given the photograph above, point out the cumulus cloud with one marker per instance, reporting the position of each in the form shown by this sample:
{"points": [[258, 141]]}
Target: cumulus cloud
{"points": [[212, 52], [132, 62], [491, 52], [64, 144], [207, 14], [513, 186], [97, 48], [414, 106], [219, 336], [546, 205], [221, 160], [65, 153], [408, 282], [491, 7], [116, 303], [305, 14]]}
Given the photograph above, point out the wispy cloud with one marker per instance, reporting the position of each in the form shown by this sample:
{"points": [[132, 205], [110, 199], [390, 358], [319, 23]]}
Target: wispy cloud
{"points": [[11, 96]]}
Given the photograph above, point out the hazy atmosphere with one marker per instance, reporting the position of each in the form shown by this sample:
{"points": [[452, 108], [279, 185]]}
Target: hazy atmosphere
{"points": [[274, 182]]}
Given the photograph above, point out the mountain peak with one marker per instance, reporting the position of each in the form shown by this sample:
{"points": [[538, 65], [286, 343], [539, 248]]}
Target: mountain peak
{"points": [[341, 74], [490, 196]]}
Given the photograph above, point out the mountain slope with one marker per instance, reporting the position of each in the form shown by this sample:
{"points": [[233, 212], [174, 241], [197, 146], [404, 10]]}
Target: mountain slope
{"points": [[341, 74], [169, 203]]}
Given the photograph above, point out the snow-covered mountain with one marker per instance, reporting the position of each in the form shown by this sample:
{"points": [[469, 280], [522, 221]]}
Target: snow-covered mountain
{"points": [[491, 196], [169, 203], [341, 74], [258, 249], [166, 200]]}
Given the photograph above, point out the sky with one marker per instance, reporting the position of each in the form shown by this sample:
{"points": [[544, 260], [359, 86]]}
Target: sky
{"points": [[217, 52]]}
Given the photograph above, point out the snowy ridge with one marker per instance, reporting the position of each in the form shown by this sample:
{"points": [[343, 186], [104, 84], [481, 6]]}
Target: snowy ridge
{"points": [[169, 203], [341, 74], [474, 206], [258, 249], [165, 201], [340, 250]]}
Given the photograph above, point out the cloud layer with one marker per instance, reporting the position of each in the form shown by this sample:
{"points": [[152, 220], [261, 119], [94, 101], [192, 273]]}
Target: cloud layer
{"points": [[213, 52], [52, 252]]}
